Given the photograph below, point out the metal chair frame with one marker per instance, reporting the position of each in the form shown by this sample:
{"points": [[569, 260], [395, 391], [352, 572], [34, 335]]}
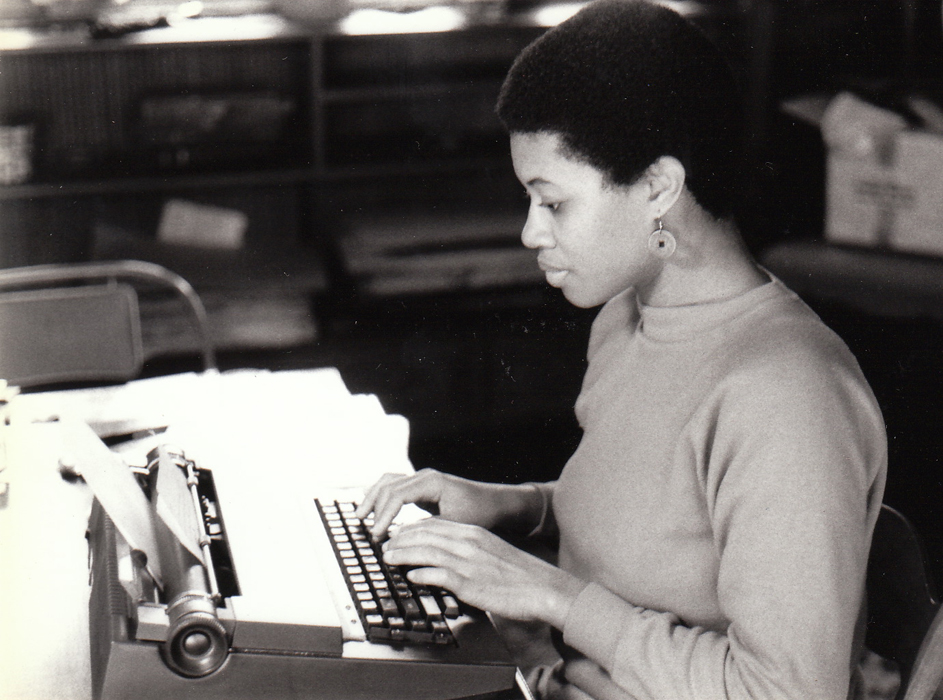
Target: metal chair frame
{"points": [[63, 275], [905, 618]]}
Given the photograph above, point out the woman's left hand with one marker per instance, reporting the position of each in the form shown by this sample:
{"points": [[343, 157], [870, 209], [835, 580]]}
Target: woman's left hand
{"points": [[483, 570]]}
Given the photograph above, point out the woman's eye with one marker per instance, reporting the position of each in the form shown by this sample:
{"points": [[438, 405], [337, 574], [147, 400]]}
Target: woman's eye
{"points": [[552, 206]]}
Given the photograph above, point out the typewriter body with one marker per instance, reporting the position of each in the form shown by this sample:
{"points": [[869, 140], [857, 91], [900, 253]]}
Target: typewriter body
{"points": [[241, 596]]}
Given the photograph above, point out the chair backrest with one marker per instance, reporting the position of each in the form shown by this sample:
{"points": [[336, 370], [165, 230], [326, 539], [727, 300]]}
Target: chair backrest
{"points": [[926, 676], [85, 333], [901, 601], [80, 322]]}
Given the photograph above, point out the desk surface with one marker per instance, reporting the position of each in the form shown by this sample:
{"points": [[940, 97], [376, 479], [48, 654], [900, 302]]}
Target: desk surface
{"points": [[44, 649], [44, 584], [870, 280]]}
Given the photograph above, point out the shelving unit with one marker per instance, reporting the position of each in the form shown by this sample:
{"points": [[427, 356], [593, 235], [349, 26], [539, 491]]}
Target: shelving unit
{"points": [[331, 121], [343, 116], [216, 110]]}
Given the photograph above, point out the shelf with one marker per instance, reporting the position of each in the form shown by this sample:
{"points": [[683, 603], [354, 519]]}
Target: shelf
{"points": [[170, 183], [156, 183], [382, 93], [237, 321], [77, 39], [425, 254], [413, 60], [414, 168], [288, 267]]}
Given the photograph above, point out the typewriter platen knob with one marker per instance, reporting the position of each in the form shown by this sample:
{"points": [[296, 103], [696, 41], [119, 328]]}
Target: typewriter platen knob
{"points": [[196, 642]]}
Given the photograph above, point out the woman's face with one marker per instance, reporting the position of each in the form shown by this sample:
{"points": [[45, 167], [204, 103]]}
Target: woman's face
{"points": [[591, 236]]}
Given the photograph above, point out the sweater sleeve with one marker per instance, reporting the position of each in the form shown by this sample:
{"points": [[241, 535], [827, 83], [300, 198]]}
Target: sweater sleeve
{"points": [[792, 465]]}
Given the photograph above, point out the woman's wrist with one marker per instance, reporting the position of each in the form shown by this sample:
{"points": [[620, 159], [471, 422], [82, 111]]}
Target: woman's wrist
{"points": [[540, 508], [562, 592], [523, 507]]}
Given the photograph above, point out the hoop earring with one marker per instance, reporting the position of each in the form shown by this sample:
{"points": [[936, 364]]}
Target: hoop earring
{"points": [[662, 243]]}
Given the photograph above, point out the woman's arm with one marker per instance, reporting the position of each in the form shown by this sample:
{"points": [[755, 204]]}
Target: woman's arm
{"points": [[519, 508], [484, 570], [792, 483], [792, 493]]}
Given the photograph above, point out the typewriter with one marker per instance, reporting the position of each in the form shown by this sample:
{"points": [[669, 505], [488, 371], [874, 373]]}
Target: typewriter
{"points": [[241, 586]]}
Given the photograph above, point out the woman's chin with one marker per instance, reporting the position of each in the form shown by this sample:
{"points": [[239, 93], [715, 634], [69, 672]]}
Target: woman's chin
{"points": [[580, 301]]}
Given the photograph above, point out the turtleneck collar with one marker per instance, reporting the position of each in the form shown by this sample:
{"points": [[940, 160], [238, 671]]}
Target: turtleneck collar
{"points": [[677, 323]]}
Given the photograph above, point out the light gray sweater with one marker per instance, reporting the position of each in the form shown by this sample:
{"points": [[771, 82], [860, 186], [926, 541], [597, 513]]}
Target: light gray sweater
{"points": [[721, 503]]}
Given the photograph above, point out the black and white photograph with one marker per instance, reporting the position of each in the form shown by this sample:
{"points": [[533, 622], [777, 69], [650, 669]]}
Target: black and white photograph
{"points": [[471, 349]]}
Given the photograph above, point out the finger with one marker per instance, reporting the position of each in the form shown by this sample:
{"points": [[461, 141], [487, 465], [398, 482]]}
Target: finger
{"points": [[423, 555], [435, 526], [385, 503], [419, 532], [433, 576], [437, 566], [388, 504], [459, 542], [371, 495], [423, 487]]}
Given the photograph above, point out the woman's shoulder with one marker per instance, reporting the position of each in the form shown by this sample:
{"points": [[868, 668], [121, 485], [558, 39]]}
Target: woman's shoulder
{"points": [[786, 329], [786, 349]]}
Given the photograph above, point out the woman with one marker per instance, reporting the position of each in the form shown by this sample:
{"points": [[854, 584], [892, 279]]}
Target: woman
{"points": [[715, 520]]}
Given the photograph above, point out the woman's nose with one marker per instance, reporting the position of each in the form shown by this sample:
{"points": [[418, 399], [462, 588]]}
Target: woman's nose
{"points": [[535, 233]]}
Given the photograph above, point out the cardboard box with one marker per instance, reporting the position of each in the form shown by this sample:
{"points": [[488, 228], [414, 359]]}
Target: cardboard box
{"points": [[894, 202]]}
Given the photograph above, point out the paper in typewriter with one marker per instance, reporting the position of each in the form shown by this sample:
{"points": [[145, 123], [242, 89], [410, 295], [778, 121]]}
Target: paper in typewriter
{"points": [[119, 493], [116, 488]]}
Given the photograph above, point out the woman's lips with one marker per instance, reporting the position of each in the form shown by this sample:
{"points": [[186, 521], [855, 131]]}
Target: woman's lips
{"points": [[555, 275]]}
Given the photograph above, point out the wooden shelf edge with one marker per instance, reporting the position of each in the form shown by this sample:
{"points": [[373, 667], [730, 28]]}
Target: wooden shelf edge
{"points": [[175, 181]]}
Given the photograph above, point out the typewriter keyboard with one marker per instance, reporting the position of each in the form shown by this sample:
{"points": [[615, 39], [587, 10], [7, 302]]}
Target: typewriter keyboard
{"points": [[392, 609]]}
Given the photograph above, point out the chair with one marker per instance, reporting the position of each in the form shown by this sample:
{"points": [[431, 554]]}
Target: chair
{"points": [[79, 322], [926, 677], [905, 619]]}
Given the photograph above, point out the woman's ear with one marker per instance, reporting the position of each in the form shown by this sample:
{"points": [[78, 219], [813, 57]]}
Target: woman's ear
{"points": [[666, 178]]}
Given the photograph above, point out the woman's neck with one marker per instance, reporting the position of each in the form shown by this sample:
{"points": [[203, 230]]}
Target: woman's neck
{"points": [[710, 264]]}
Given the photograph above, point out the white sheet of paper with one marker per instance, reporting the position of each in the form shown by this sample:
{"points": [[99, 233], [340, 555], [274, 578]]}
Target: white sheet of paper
{"points": [[115, 488]]}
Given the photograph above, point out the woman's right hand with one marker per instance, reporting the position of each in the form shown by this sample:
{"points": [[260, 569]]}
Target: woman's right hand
{"points": [[450, 497]]}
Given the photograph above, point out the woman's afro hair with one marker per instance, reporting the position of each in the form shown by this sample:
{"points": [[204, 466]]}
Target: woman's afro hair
{"points": [[624, 82]]}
